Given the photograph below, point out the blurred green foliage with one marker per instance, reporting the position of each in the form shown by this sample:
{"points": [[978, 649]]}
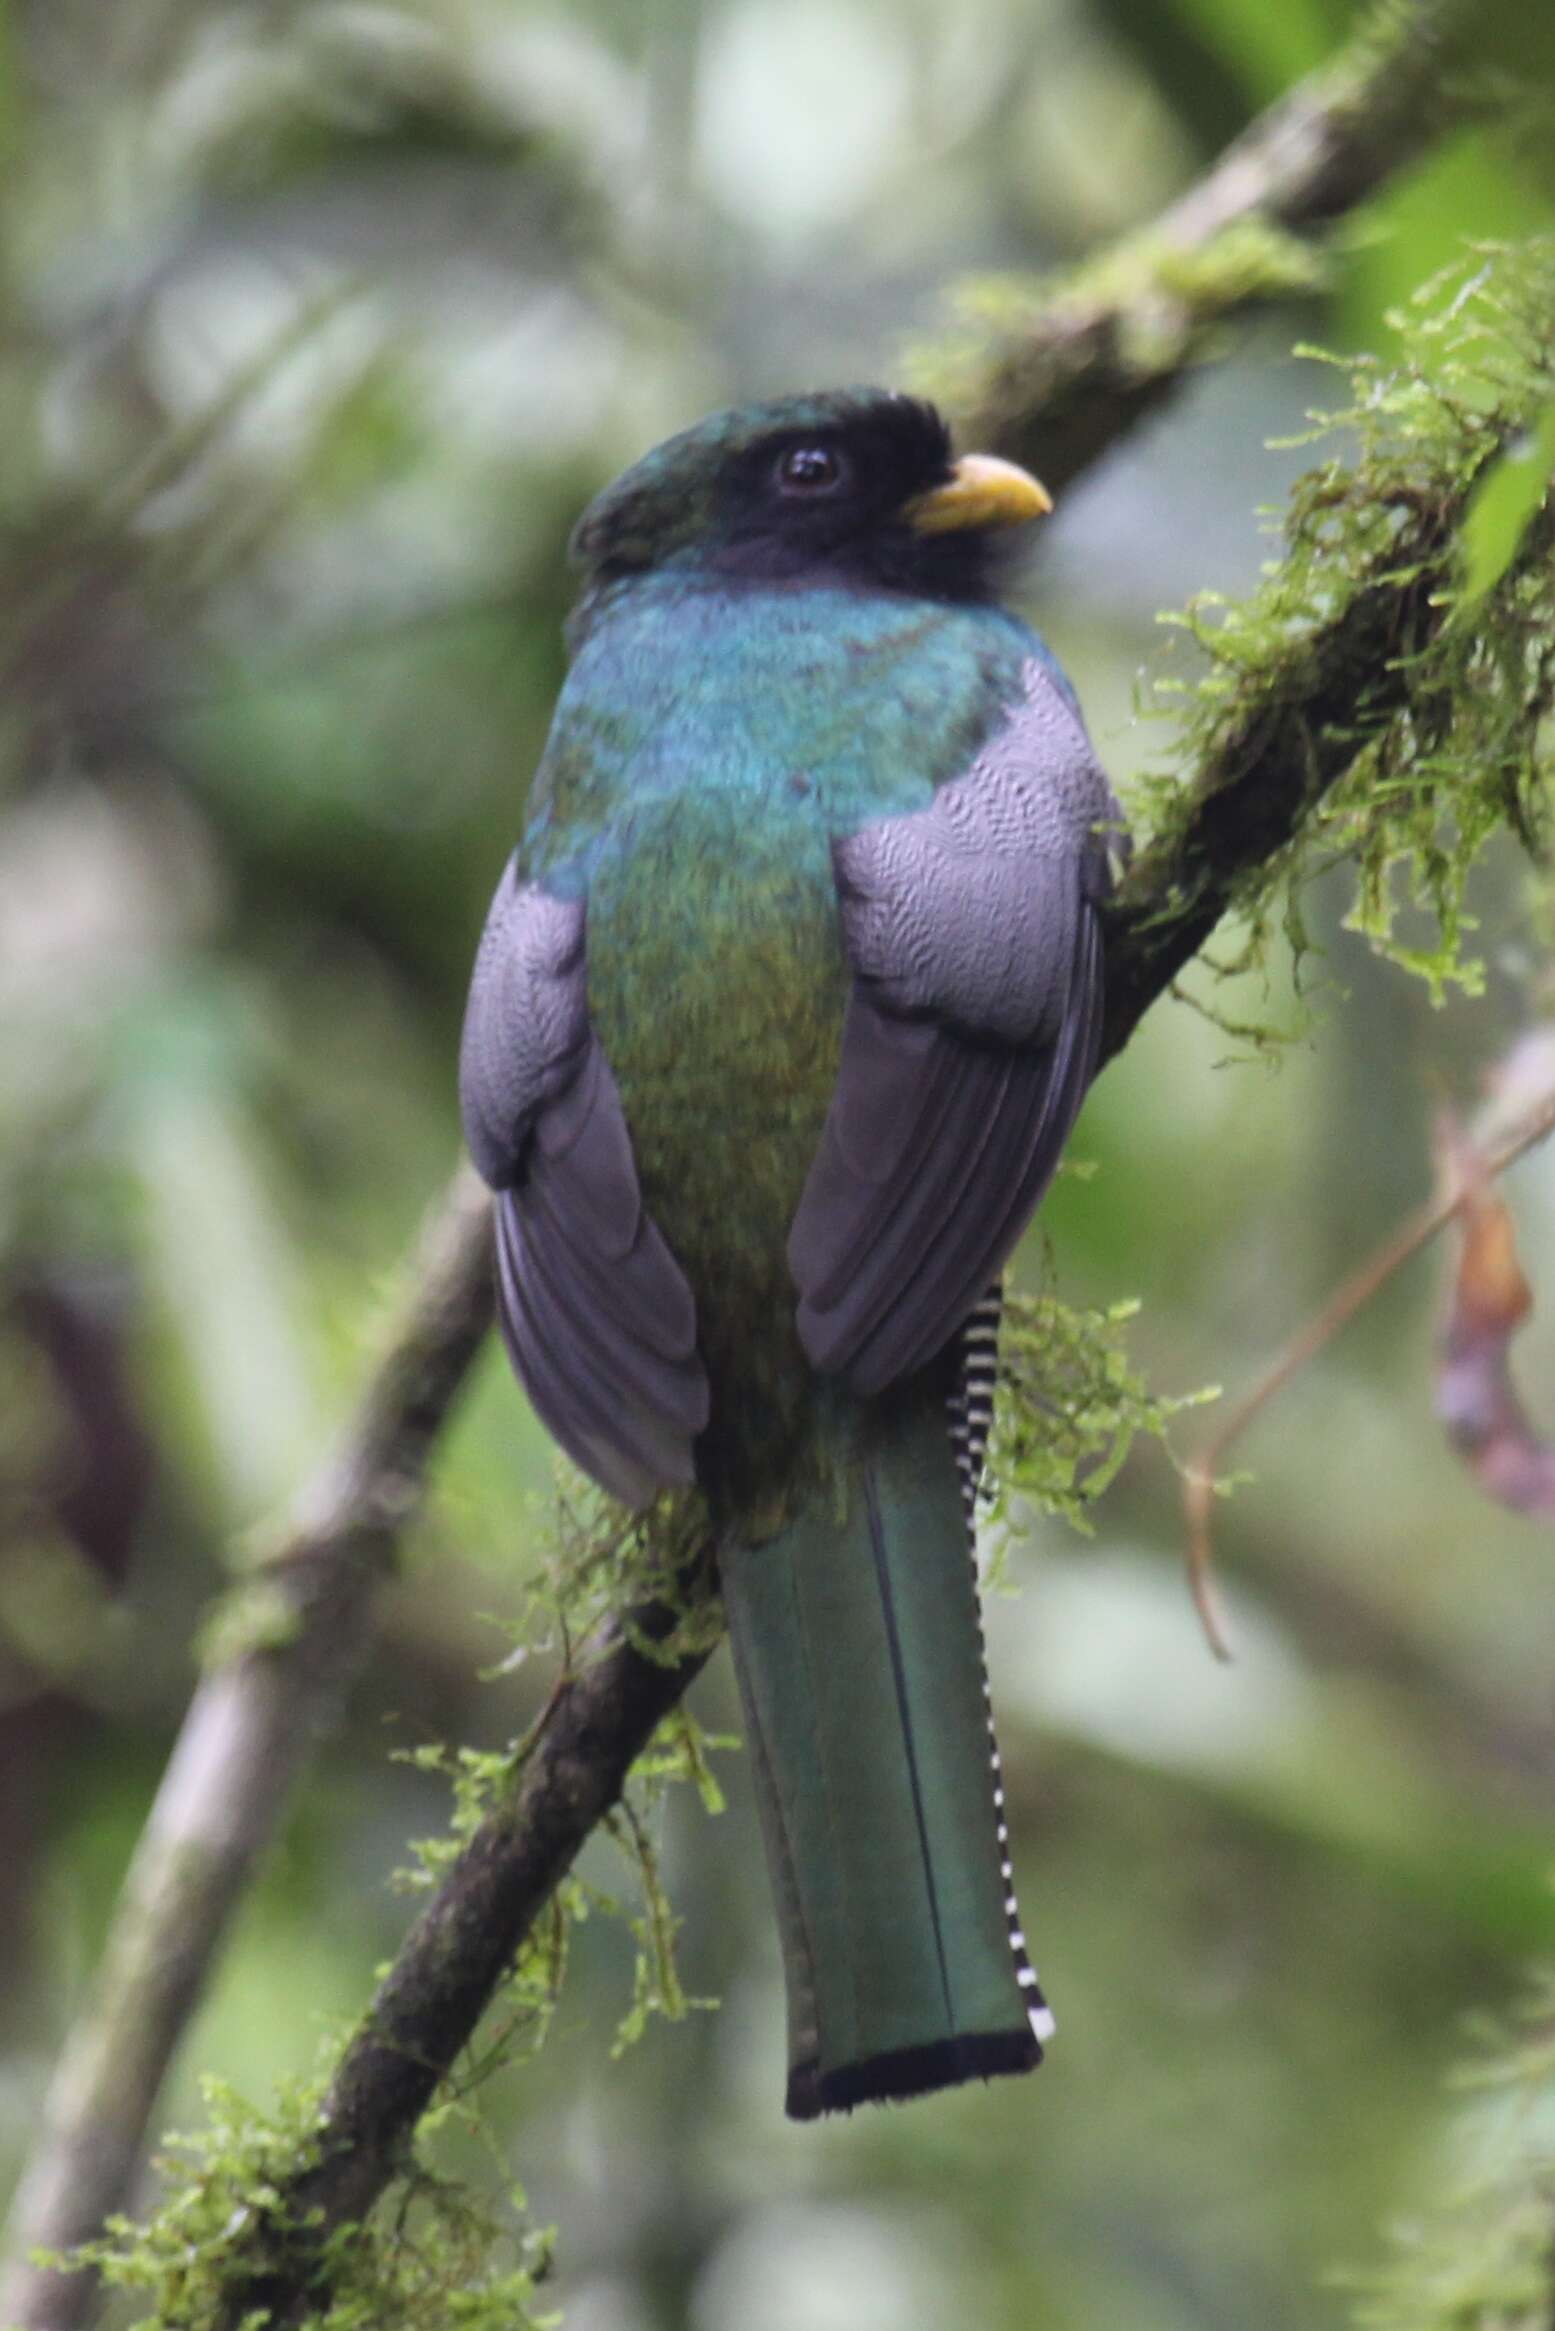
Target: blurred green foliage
{"points": [[317, 325]]}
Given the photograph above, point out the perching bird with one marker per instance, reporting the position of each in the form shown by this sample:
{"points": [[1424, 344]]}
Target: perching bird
{"points": [[783, 1012]]}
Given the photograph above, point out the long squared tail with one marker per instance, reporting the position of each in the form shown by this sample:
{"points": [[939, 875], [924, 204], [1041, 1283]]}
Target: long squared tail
{"points": [[858, 1646]]}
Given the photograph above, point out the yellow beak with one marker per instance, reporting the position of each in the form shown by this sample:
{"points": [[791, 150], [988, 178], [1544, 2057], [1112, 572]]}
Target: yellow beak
{"points": [[981, 490]]}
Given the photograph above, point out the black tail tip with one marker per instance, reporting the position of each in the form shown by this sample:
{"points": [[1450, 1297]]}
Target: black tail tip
{"points": [[906, 2072]]}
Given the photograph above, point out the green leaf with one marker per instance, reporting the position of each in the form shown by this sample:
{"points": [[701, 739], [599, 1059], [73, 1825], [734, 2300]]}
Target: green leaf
{"points": [[1503, 504]]}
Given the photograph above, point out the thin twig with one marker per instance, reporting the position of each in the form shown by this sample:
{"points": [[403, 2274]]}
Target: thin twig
{"points": [[1199, 1488]]}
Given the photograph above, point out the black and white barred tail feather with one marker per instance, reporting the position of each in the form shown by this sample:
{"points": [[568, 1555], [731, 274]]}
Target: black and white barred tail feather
{"points": [[971, 1399], [971, 1420]]}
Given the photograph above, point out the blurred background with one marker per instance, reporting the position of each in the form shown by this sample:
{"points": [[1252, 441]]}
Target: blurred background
{"points": [[318, 324]]}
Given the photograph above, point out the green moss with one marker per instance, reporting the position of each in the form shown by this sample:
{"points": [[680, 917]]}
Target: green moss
{"points": [[1148, 303], [432, 2254], [256, 1614], [604, 1561], [1461, 747], [1481, 2260], [1070, 1405], [483, 1783]]}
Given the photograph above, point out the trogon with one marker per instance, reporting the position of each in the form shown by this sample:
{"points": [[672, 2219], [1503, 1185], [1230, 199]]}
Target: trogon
{"points": [[783, 1012]]}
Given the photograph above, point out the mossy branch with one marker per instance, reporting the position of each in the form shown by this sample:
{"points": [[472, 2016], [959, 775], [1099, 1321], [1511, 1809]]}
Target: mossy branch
{"points": [[286, 1646], [1054, 371], [1275, 754], [1384, 697], [569, 1775], [1305, 719]]}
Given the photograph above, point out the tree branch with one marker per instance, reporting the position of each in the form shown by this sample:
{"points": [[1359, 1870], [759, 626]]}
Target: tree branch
{"points": [[600, 1717], [1073, 382], [1103, 349], [1347, 680], [295, 1631]]}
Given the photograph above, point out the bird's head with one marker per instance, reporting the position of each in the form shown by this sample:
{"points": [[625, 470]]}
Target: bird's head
{"points": [[856, 486]]}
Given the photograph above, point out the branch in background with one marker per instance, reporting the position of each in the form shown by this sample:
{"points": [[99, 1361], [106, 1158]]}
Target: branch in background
{"points": [[1073, 385], [1102, 349], [296, 1629], [1330, 143]]}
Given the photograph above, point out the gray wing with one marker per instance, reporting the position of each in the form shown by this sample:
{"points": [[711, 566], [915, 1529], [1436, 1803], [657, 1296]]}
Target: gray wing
{"points": [[595, 1311], [970, 1037]]}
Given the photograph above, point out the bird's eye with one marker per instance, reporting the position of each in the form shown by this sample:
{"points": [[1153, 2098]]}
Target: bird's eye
{"points": [[809, 469]]}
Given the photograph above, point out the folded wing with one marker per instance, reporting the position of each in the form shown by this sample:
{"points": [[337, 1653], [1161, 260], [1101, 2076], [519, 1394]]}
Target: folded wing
{"points": [[595, 1311], [971, 1035]]}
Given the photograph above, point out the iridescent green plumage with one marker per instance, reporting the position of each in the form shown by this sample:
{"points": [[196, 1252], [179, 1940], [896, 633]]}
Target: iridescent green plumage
{"points": [[782, 1014]]}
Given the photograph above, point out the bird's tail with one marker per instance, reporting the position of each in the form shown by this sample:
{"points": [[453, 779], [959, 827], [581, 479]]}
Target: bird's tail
{"points": [[858, 1645]]}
